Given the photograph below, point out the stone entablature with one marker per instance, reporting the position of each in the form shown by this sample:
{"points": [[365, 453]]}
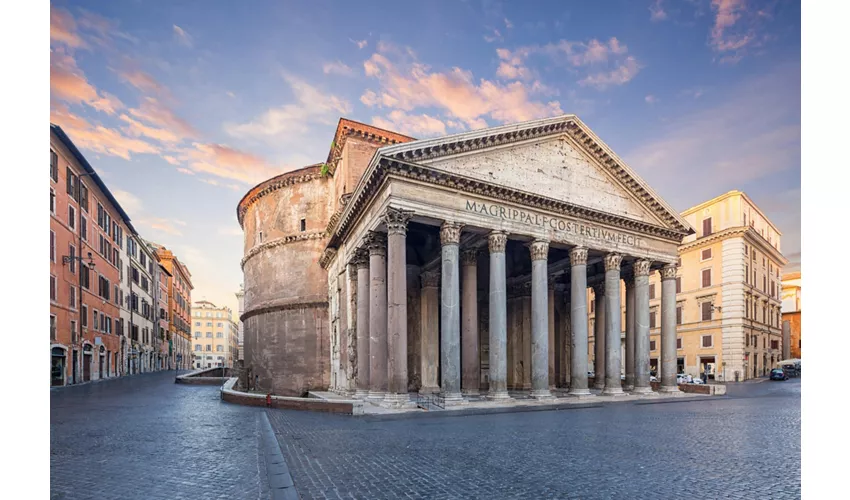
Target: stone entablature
{"points": [[306, 174], [291, 238]]}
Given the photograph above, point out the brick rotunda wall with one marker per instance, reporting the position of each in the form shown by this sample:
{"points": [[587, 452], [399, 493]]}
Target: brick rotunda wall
{"points": [[287, 341]]}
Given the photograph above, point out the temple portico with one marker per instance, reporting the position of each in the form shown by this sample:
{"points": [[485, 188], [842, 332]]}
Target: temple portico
{"points": [[498, 263]]}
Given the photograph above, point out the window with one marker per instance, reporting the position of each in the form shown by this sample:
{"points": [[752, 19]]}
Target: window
{"points": [[52, 287], [303, 225], [745, 219], [707, 341], [746, 274], [72, 297], [764, 284], [52, 246], [52, 327], [652, 319], [54, 166], [72, 252], [84, 197], [220, 325], [774, 344], [678, 284], [85, 316], [592, 306], [219, 348], [706, 226], [219, 335], [197, 335], [747, 302], [70, 183], [706, 254], [746, 341], [94, 323], [72, 218], [103, 287], [706, 311], [209, 323], [84, 229], [651, 291], [679, 343], [52, 201], [197, 323], [209, 335], [678, 315], [197, 347], [84, 276], [706, 278], [143, 259], [754, 254], [209, 347], [651, 345], [73, 329], [772, 288]]}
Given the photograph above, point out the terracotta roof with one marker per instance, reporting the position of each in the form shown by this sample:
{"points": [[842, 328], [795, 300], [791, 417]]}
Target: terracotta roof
{"points": [[346, 128]]}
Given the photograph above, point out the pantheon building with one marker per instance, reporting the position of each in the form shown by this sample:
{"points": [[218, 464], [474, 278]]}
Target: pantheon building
{"points": [[459, 266]]}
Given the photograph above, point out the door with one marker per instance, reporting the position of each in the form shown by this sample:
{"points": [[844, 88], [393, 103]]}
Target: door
{"points": [[57, 367], [86, 367], [74, 367], [100, 372]]}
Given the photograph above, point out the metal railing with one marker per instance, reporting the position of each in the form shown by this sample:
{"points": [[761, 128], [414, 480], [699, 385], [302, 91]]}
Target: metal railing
{"points": [[431, 402]]}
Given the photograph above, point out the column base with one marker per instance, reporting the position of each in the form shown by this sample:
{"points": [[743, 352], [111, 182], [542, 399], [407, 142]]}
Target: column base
{"points": [[642, 390], [376, 396], [613, 391], [470, 392], [580, 393], [542, 394], [453, 399], [429, 390], [501, 396], [667, 389], [397, 401], [629, 388]]}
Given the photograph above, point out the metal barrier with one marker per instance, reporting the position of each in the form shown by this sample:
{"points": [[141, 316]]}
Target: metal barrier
{"points": [[431, 402]]}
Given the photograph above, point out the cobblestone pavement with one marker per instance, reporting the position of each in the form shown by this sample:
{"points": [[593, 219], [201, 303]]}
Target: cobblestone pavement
{"points": [[746, 445], [146, 437]]}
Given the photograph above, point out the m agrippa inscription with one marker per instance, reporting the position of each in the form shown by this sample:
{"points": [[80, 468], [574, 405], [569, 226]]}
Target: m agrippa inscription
{"points": [[556, 224]]}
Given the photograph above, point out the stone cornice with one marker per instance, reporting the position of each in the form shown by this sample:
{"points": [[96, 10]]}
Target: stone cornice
{"points": [[290, 238], [283, 306], [374, 179], [306, 174], [327, 256], [349, 128], [742, 231]]}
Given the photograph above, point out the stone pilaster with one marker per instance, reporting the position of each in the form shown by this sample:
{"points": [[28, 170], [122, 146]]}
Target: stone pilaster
{"points": [[668, 329], [396, 221], [539, 320], [498, 320], [613, 311], [470, 363], [450, 314]]}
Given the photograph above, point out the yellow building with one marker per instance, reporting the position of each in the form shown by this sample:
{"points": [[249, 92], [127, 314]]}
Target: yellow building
{"points": [[728, 293], [214, 336], [792, 291]]}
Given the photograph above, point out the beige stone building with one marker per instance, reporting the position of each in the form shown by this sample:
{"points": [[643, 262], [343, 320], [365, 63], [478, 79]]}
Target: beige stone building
{"points": [[792, 313], [214, 336], [728, 310]]}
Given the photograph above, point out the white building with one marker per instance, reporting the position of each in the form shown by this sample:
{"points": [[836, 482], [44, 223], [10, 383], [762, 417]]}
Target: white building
{"points": [[138, 285], [240, 295]]}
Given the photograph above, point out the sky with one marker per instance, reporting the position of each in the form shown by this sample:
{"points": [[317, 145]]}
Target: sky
{"points": [[182, 107]]}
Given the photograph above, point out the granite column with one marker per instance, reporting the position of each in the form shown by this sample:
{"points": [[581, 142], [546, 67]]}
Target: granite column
{"points": [[498, 317], [613, 326], [377, 243], [578, 322], [470, 363], [450, 314], [641, 315], [539, 319], [668, 329], [396, 221], [363, 360]]}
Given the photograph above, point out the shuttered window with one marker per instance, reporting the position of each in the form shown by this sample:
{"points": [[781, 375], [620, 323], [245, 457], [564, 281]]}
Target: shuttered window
{"points": [[706, 311], [707, 341], [652, 319], [706, 278], [706, 226], [652, 291], [706, 254], [678, 315], [679, 285]]}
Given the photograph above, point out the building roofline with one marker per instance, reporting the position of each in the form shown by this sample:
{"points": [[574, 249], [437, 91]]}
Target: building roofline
{"points": [[69, 144], [729, 194]]}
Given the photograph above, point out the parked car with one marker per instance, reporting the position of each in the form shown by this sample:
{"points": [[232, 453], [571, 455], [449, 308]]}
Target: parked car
{"points": [[778, 374], [697, 381], [684, 379], [653, 378]]}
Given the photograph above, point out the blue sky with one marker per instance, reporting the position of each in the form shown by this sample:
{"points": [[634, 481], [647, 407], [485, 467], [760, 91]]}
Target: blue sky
{"points": [[183, 106]]}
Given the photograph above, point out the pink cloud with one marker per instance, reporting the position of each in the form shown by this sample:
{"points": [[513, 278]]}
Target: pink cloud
{"points": [[63, 29], [735, 29], [228, 163], [154, 112], [409, 84], [98, 138], [623, 73], [141, 80], [337, 68], [69, 84], [414, 125], [656, 12]]}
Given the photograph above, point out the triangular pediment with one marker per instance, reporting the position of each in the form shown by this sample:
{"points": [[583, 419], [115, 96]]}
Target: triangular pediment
{"points": [[556, 158]]}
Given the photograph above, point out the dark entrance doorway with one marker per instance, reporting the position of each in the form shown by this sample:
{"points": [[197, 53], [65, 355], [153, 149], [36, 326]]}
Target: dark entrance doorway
{"points": [[57, 366], [87, 360], [74, 376], [101, 374]]}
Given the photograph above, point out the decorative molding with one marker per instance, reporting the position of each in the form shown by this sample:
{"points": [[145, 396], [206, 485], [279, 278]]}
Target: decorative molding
{"points": [[322, 304], [302, 175], [469, 257], [396, 220], [450, 233], [290, 238], [376, 242], [327, 256], [430, 279], [613, 261], [668, 272], [642, 267], [497, 241], [578, 256], [361, 258], [539, 250]]}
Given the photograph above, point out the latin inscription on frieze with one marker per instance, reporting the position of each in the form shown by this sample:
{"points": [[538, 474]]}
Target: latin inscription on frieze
{"points": [[556, 224]]}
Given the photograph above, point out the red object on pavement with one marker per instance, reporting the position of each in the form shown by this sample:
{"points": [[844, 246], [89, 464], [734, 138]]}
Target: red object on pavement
{"points": [[269, 400]]}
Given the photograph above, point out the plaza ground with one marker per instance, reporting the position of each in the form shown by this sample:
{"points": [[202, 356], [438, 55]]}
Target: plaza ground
{"points": [[146, 437]]}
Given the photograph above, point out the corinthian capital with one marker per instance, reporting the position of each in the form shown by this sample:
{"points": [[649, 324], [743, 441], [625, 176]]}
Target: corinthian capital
{"points": [[469, 257], [539, 250], [450, 233], [376, 242], [642, 267], [430, 279], [497, 241], [613, 261], [668, 272], [578, 256], [396, 220]]}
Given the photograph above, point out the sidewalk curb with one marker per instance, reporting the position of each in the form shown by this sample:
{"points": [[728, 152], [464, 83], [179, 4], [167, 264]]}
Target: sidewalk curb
{"points": [[281, 485], [478, 411]]}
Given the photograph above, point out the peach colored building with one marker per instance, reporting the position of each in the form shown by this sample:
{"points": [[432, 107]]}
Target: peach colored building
{"points": [[792, 310], [85, 323], [179, 286]]}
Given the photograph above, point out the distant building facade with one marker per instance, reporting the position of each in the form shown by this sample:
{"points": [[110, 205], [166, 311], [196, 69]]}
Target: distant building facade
{"points": [[792, 311], [240, 296], [179, 286], [214, 336]]}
